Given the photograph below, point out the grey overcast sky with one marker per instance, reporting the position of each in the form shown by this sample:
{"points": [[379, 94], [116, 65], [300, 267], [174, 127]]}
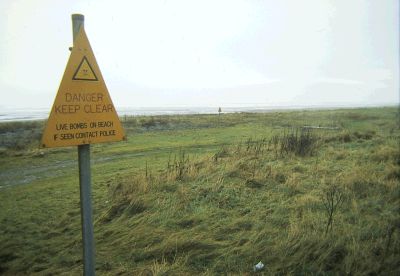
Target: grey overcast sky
{"points": [[208, 52]]}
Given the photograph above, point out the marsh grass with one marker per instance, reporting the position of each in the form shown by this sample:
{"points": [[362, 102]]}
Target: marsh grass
{"points": [[258, 189], [303, 142]]}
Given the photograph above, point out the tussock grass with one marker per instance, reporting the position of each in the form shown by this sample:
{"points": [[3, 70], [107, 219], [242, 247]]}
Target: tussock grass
{"points": [[302, 143], [271, 209]]}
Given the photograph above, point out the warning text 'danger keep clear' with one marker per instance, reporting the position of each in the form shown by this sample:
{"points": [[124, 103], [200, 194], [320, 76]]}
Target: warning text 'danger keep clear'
{"points": [[83, 102]]}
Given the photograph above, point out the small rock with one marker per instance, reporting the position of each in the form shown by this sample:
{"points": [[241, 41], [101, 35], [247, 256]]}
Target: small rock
{"points": [[258, 267]]}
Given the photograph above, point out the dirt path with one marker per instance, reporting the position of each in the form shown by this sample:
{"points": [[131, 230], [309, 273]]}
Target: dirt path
{"points": [[31, 172]]}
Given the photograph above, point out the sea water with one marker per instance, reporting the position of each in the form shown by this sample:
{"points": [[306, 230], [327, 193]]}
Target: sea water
{"points": [[28, 114]]}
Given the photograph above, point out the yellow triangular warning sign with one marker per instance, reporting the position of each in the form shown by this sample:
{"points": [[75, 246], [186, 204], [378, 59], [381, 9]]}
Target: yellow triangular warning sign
{"points": [[85, 71], [83, 112]]}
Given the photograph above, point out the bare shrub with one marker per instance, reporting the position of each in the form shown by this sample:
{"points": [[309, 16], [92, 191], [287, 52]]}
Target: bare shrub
{"points": [[332, 200]]}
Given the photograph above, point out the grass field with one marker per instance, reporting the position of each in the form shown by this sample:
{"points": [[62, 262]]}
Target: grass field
{"points": [[304, 192]]}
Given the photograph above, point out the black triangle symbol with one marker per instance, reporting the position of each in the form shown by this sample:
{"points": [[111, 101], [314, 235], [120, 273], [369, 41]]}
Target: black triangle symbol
{"points": [[80, 73]]}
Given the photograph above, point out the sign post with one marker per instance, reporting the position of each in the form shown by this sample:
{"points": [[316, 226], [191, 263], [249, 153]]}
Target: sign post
{"points": [[82, 114], [85, 184], [86, 209]]}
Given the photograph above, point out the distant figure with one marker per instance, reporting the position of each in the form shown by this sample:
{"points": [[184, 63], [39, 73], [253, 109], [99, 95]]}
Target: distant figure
{"points": [[219, 111]]}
